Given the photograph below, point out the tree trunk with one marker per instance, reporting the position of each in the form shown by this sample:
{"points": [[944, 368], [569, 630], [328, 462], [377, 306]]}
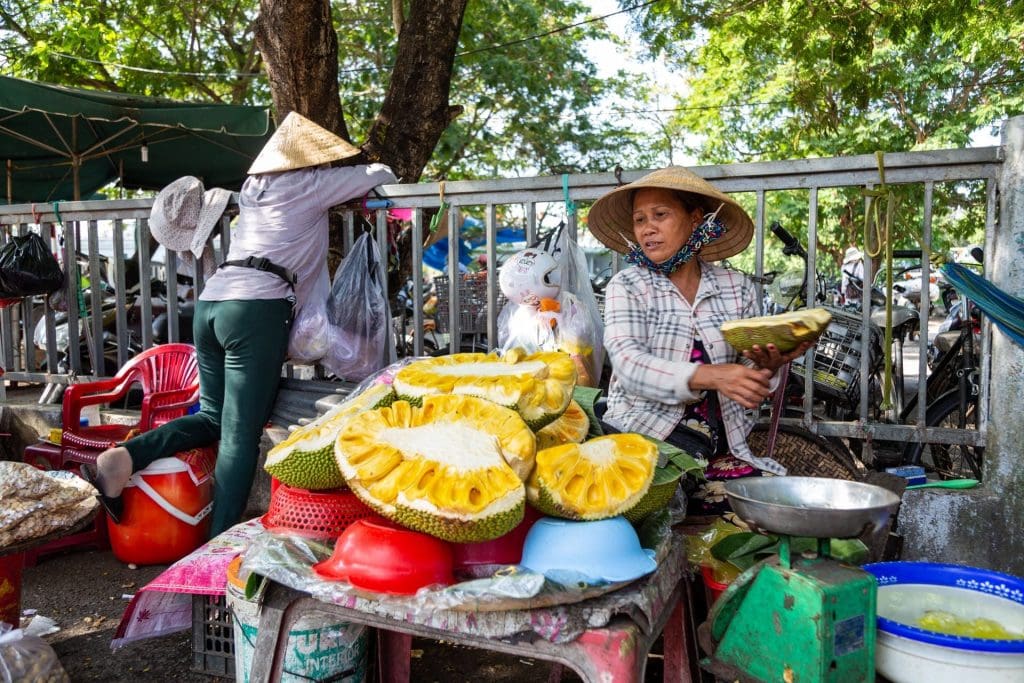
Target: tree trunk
{"points": [[416, 111], [300, 51]]}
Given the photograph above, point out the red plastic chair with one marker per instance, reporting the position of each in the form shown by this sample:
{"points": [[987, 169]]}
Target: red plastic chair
{"points": [[169, 377]]}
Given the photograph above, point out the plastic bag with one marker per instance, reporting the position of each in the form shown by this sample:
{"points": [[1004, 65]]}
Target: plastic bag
{"points": [[578, 327], [27, 267], [27, 658], [358, 315], [308, 341]]}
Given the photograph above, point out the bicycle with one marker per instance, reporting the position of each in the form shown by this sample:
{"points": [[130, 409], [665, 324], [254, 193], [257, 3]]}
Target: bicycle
{"points": [[951, 388]]}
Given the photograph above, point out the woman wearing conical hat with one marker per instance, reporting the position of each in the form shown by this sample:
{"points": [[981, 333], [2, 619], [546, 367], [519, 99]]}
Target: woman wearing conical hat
{"points": [[674, 377], [242, 319]]}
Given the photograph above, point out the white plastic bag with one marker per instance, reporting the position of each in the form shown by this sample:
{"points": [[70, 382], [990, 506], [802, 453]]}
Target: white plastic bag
{"points": [[577, 327], [27, 658], [358, 315], [308, 341]]}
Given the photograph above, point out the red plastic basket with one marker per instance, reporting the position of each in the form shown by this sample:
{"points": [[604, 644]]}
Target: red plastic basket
{"points": [[320, 515]]}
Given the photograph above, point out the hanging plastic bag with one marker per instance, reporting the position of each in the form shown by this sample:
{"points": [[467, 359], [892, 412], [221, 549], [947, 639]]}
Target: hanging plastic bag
{"points": [[562, 313], [27, 658], [358, 315], [27, 267], [581, 330], [309, 339]]}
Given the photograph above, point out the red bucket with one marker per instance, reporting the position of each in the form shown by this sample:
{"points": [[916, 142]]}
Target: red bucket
{"points": [[712, 588], [11, 567], [166, 510]]}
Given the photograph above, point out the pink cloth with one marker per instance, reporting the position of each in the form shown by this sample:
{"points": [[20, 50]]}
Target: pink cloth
{"points": [[164, 605]]}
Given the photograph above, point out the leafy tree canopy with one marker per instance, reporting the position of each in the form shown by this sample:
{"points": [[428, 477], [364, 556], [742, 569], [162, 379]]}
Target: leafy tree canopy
{"points": [[527, 100], [803, 78]]}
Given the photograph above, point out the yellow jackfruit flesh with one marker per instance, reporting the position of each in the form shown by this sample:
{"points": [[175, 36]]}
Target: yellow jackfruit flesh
{"points": [[538, 386], [786, 330], [571, 427], [447, 468], [600, 478]]}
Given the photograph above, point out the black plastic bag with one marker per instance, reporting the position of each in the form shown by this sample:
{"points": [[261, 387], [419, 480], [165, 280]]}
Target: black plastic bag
{"points": [[27, 268]]}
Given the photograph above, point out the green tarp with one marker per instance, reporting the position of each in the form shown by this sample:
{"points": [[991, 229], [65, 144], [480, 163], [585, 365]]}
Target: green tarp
{"points": [[48, 132]]}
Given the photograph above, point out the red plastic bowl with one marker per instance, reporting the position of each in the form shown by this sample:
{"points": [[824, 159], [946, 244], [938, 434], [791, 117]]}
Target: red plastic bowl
{"points": [[321, 515], [504, 550], [382, 557]]}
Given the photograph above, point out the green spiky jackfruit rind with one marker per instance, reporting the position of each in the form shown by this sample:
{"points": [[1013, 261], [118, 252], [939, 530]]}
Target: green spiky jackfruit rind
{"points": [[657, 498], [313, 470], [414, 401], [316, 469], [785, 330], [459, 530], [445, 528]]}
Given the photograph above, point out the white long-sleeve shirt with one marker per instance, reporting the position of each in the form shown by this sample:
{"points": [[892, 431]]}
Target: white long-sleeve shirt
{"points": [[283, 217]]}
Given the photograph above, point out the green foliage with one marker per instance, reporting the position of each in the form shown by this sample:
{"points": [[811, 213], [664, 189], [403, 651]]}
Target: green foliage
{"points": [[801, 78], [528, 106]]}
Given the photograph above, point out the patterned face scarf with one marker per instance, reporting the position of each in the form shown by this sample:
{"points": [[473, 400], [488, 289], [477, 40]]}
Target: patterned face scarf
{"points": [[705, 233]]}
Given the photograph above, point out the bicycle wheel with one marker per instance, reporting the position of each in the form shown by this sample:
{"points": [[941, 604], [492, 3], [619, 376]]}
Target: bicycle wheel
{"points": [[805, 454], [949, 461]]}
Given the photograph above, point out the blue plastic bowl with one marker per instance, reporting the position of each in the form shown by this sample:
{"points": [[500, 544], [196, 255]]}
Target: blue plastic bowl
{"points": [[604, 551], [954, 585]]}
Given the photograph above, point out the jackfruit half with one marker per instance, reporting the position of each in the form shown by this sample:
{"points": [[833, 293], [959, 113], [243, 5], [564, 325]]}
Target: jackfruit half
{"points": [[306, 458], [537, 386], [600, 478], [571, 427], [445, 468], [786, 330]]}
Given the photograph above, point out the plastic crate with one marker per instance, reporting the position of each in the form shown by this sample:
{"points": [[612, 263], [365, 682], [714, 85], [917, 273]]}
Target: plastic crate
{"points": [[213, 640], [472, 304], [837, 358]]}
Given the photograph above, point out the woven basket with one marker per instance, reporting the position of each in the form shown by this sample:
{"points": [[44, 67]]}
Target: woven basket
{"points": [[804, 454]]}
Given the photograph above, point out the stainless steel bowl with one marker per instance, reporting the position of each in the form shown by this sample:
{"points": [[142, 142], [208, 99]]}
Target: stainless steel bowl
{"points": [[810, 506]]}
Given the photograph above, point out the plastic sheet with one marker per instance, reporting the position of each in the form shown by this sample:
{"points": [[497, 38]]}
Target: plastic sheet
{"points": [[500, 602], [27, 658]]}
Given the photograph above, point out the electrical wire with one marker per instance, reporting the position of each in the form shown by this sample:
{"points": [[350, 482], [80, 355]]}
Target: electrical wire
{"points": [[385, 67]]}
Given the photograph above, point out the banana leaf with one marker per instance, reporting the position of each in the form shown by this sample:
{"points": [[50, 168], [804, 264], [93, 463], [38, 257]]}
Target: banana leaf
{"points": [[745, 549]]}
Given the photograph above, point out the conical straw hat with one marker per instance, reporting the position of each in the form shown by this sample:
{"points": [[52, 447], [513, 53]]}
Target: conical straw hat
{"points": [[611, 216], [298, 143]]}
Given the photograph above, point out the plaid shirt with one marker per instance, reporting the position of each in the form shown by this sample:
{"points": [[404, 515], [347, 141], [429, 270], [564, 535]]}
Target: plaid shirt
{"points": [[648, 334]]}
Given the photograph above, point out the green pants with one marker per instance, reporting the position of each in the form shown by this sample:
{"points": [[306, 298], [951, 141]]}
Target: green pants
{"points": [[241, 346]]}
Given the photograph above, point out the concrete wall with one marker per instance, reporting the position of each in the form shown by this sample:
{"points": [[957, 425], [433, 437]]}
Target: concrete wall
{"points": [[984, 527]]}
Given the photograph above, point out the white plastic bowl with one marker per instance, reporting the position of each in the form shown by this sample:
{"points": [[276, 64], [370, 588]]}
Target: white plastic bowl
{"points": [[906, 653]]}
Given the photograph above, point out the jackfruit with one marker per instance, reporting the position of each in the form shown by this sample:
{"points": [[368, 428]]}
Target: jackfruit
{"points": [[786, 330], [537, 386], [571, 427], [445, 468], [657, 498], [600, 478], [306, 458]]}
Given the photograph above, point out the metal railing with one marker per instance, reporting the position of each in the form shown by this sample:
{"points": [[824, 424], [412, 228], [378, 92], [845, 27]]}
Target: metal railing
{"points": [[79, 223]]}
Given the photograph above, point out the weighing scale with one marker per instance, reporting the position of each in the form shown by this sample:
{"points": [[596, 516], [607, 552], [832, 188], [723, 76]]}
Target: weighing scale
{"points": [[806, 618]]}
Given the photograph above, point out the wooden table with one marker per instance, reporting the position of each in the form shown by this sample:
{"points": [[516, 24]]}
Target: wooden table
{"points": [[615, 652]]}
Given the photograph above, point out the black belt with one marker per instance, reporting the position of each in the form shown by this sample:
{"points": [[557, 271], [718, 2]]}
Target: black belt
{"points": [[266, 265]]}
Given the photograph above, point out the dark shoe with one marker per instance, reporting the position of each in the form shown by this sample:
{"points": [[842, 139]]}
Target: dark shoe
{"points": [[114, 505]]}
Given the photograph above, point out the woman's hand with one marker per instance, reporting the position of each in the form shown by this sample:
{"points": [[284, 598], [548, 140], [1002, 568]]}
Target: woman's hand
{"points": [[746, 386], [770, 358]]}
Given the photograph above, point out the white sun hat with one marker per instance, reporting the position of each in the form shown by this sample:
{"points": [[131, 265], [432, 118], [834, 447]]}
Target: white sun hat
{"points": [[298, 143], [184, 215]]}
